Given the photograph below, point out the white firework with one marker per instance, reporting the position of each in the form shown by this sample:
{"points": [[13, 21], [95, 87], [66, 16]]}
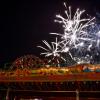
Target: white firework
{"points": [[94, 32], [75, 36], [85, 59], [53, 50], [74, 29]]}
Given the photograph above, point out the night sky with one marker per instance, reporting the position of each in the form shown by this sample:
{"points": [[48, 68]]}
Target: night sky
{"points": [[24, 24]]}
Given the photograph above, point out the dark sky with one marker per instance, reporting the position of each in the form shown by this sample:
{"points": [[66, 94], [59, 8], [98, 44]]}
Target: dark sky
{"points": [[23, 24]]}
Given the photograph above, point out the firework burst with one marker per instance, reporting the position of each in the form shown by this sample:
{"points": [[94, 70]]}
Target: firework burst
{"points": [[53, 50], [77, 37]]}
